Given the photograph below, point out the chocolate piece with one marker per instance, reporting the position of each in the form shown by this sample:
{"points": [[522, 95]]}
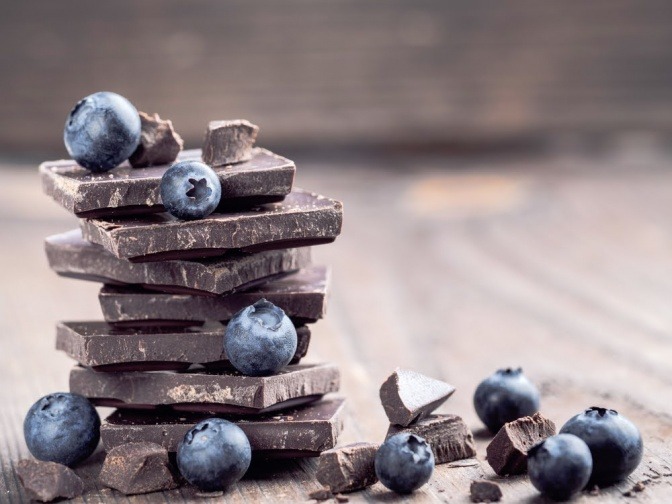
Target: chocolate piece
{"points": [[321, 494], [101, 346], [296, 432], [302, 219], [265, 178], [137, 468], [348, 468], [223, 392], [485, 491], [229, 142], [507, 452], [159, 143], [47, 481], [408, 396], [302, 295], [71, 256], [448, 436]]}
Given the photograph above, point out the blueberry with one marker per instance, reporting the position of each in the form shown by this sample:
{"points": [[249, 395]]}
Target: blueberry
{"points": [[614, 441], [62, 427], [560, 466], [214, 454], [404, 463], [102, 131], [260, 340], [505, 396], [190, 190]]}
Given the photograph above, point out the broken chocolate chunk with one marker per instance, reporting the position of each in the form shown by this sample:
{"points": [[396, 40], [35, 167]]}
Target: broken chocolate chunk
{"points": [[72, 256], [301, 295], [302, 219], [47, 481], [408, 396], [137, 468], [485, 491], [159, 143], [266, 178], [229, 142], [207, 391], [507, 452], [348, 468], [320, 494], [105, 348], [296, 432], [447, 435]]}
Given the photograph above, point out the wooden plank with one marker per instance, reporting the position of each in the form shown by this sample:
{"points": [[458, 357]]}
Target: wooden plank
{"points": [[347, 71], [559, 264]]}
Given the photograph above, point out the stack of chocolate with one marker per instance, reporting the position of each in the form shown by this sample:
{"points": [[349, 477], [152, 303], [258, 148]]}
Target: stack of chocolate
{"points": [[170, 286]]}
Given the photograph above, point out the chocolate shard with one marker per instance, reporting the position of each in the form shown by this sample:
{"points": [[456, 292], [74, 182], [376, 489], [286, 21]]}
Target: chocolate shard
{"points": [[137, 468], [296, 432], [47, 481], [265, 178], [228, 142], [408, 396], [105, 348], [159, 143], [302, 219], [348, 468], [448, 436], [485, 491], [321, 494], [72, 256], [507, 452], [207, 391], [302, 296]]}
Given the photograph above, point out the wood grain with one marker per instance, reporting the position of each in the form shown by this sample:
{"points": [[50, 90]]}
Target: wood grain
{"points": [[557, 263]]}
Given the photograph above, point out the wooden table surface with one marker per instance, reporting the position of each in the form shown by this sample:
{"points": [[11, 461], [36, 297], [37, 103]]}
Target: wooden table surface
{"points": [[559, 263]]}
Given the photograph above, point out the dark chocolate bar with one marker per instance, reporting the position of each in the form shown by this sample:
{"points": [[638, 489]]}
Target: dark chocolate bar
{"points": [[105, 348], [298, 432], [72, 256], [265, 178], [302, 219], [207, 391], [302, 295]]}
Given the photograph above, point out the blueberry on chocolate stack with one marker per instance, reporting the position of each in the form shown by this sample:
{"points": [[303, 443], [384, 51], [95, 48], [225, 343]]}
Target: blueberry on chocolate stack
{"points": [[208, 292]]}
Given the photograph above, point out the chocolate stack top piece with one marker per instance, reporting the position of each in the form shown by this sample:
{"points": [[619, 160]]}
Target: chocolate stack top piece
{"points": [[264, 178]]}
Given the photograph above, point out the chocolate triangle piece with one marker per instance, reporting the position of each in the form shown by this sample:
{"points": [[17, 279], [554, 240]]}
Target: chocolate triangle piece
{"points": [[137, 468], [105, 348], [485, 491], [296, 432], [507, 452], [302, 296], [265, 178], [159, 142], [348, 468], [408, 396], [72, 256], [228, 142], [207, 391], [302, 219], [447, 435], [47, 481]]}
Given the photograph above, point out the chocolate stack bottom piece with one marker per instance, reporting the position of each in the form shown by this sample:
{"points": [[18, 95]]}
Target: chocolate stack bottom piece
{"points": [[158, 356]]}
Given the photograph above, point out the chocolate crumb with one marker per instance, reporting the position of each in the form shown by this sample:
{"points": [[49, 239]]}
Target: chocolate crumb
{"points": [[594, 491], [507, 452], [159, 143], [485, 491], [229, 142], [47, 481], [321, 494], [341, 498], [637, 488]]}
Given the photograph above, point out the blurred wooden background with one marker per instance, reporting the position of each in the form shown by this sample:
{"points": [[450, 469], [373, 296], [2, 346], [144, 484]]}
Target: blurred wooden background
{"points": [[343, 72]]}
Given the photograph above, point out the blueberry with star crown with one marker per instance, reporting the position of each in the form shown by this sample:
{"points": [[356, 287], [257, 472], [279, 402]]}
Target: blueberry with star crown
{"points": [[190, 190]]}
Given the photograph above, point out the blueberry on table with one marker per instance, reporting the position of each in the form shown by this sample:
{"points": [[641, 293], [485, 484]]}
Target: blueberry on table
{"points": [[560, 466], [190, 190], [214, 454], [614, 441], [404, 463], [260, 340], [505, 396], [102, 131], [62, 428]]}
